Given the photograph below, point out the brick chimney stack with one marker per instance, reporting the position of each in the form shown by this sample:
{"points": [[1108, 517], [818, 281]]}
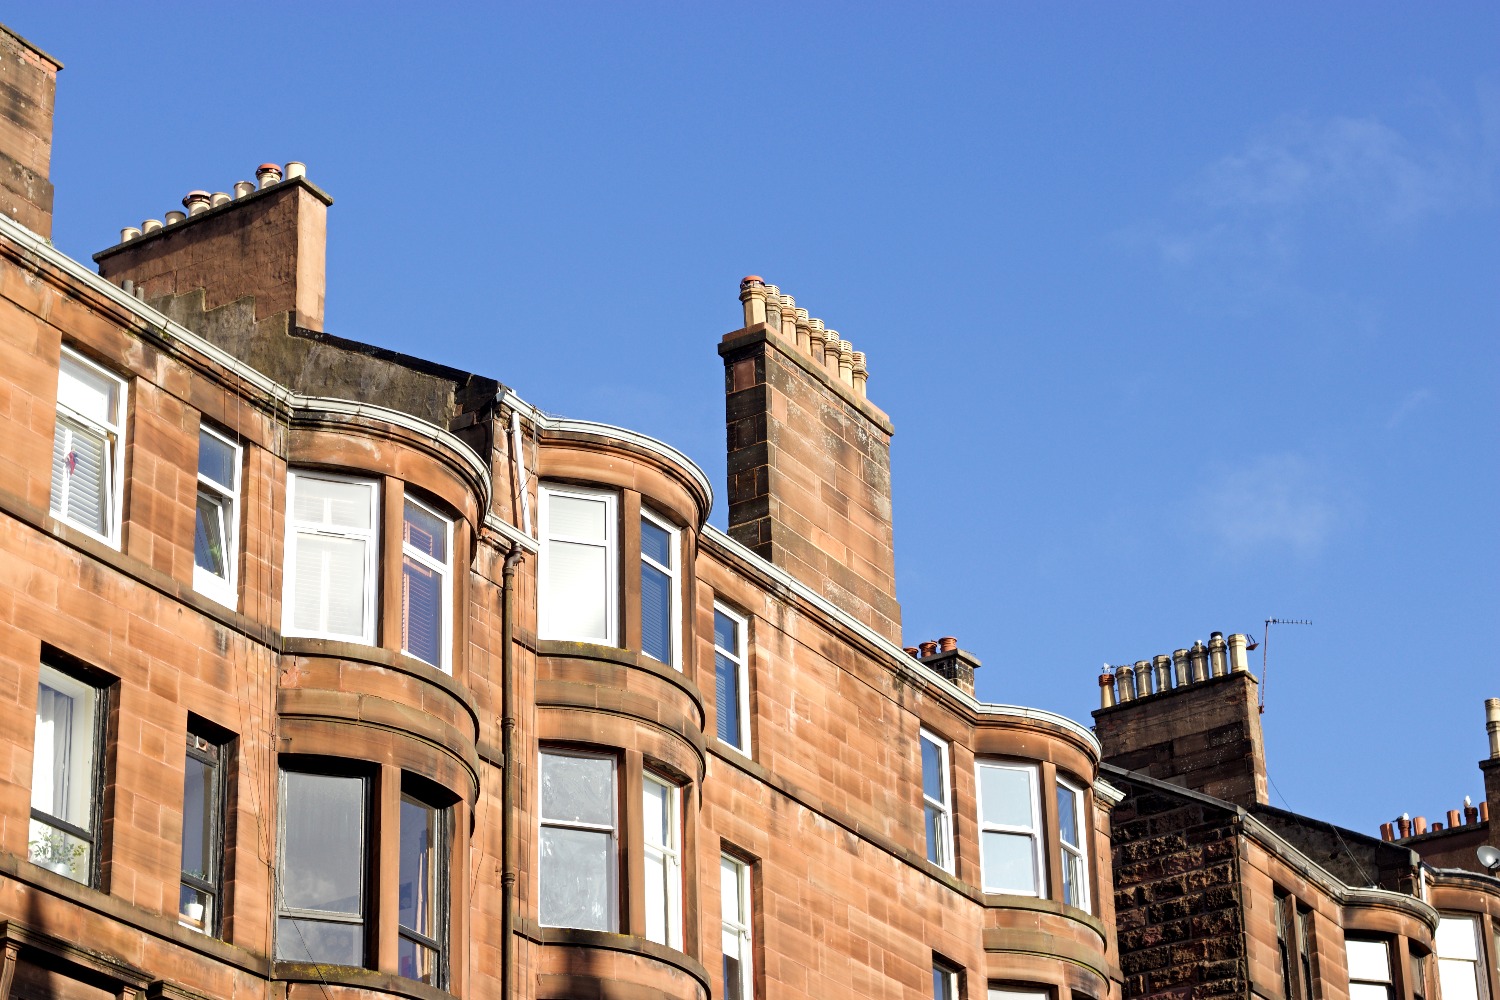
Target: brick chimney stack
{"points": [[1490, 767], [1203, 732], [28, 91], [809, 457], [267, 241]]}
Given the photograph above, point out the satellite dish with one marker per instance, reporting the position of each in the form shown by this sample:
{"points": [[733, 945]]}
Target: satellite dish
{"points": [[1489, 857]]}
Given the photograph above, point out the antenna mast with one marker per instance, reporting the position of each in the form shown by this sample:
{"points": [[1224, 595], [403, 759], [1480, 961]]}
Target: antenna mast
{"points": [[1265, 650]]}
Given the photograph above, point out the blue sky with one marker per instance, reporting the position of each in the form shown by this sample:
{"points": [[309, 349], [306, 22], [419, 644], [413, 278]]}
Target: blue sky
{"points": [[1185, 314]]}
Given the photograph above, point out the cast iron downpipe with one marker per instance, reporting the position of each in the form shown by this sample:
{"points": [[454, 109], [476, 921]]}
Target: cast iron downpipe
{"points": [[508, 772]]}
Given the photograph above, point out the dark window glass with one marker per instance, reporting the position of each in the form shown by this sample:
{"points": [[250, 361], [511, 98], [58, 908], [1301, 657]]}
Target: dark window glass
{"points": [[199, 897]]}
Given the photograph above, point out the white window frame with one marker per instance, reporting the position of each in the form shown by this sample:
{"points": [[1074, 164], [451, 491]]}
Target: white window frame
{"points": [[674, 575], [1080, 850], [114, 436], [741, 659], [613, 889], [611, 560], [670, 856], [1388, 984], [222, 589], [944, 805], [740, 923], [445, 570], [93, 735], [1038, 853], [1471, 966], [372, 556], [945, 973]]}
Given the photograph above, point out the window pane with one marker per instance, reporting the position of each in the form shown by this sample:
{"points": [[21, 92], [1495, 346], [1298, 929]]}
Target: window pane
{"points": [[1458, 979], [578, 789], [88, 392], [656, 543], [299, 940], [417, 887], [656, 814], [62, 764], [932, 770], [577, 518], [656, 899], [199, 801], [323, 848], [576, 878], [656, 613], [425, 532], [1009, 863], [215, 459], [1006, 795], [1072, 879], [416, 961], [330, 585], [1368, 960], [729, 890], [1067, 814], [733, 974], [936, 835], [208, 536], [1456, 938], [727, 698], [577, 602], [57, 851], [942, 983], [80, 475], [1369, 991], [332, 503], [726, 633], [421, 611]]}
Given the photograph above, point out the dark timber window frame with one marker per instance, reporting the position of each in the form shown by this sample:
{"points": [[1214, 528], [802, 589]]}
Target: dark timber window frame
{"points": [[101, 694], [212, 749]]}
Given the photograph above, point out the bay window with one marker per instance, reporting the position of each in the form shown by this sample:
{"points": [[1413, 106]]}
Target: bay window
{"points": [[67, 776], [731, 680], [216, 533], [422, 892], [734, 907], [426, 584], [660, 587], [331, 545], [578, 565], [321, 876], [1073, 862], [1009, 828], [578, 842], [661, 822], [937, 801], [88, 463]]}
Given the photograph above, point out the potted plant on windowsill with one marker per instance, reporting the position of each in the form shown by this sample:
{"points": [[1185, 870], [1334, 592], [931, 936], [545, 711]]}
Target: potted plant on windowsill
{"points": [[52, 852]]}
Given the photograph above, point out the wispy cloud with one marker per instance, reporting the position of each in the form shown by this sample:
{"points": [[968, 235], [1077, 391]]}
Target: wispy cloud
{"points": [[1249, 212], [1409, 403], [1276, 504]]}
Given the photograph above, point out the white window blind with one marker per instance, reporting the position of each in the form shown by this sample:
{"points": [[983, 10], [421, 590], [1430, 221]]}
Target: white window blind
{"points": [[1461, 972], [64, 775], [331, 570], [579, 565], [659, 590], [731, 682], [1369, 964], [87, 462]]}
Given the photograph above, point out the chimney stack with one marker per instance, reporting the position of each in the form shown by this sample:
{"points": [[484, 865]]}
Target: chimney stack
{"points": [[1199, 727], [809, 457], [267, 243], [28, 78], [946, 660]]}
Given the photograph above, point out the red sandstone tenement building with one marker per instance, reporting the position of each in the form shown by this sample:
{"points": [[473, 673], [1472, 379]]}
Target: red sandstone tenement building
{"points": [[335, 672]]}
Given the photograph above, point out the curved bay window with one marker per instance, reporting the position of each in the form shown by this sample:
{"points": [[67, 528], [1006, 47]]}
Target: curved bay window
{"points": [[422, 891], [1010, 828], [321, 893]]}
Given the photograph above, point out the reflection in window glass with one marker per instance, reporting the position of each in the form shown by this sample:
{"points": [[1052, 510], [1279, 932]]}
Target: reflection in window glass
{"points": [[935, 799], [65, 776], [577, 841], [1460, 969], [1073, 860], [1369, 964], [578, 565], [734, 908], [663, 863], [217, 529], [421, 906], [321, 878], [202, 835]]}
